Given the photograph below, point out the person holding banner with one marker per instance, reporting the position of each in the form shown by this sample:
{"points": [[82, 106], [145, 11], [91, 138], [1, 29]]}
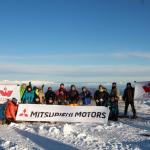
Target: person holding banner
{"points": [[41, 96], [61, 98], [50, 96], [29, 95], [128, 97], [101, 96], [61, 88], [11, 110], [61, 95], [86, 96], [22, 90], [73, 95]]}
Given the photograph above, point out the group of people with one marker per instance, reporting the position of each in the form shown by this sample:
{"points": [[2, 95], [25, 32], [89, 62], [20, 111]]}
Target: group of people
{"points": [[36, 95], [103, 98]]}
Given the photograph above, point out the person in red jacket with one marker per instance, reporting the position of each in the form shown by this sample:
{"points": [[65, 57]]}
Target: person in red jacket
{"points": [[61, 95], [11, 110]]}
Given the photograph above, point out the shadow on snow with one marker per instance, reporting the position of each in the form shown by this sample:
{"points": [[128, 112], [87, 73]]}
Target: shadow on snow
{"points": [[44, 142], [144, 145]]}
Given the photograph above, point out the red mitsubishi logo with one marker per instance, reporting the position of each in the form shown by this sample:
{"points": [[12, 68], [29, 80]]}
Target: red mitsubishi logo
{"points": [[5, 92], [147, 88], [24, 114]]}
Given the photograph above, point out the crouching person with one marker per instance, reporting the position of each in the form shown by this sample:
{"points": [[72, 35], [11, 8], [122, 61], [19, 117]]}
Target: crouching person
{"points": [[50, 97], [29, 95], [61, 97], [101, 96], [86, 96], [11, 110], [73, 96]]}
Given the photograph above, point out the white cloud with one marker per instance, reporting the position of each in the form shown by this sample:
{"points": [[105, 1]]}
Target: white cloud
{"points": [[74, 73], [85, 55], [138, 54], [80, 70]]}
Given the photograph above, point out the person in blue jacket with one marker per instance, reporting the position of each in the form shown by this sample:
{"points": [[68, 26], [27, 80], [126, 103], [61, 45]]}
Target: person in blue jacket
{"points": [[28, 96], [86, 96]]}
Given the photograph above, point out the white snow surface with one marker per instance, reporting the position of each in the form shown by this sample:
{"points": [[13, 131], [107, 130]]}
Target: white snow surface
{"points": [[125, 134]]}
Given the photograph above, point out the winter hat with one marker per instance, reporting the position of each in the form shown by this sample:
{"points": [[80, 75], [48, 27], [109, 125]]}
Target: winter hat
{"points": [[84, 88], [101, 89], [14, 100], [62, 84], [49, 88], [73, 87], [128, 84]]}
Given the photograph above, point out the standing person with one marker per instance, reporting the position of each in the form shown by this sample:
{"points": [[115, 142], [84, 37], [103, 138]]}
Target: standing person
{"points": [[114, 98], [73, 95], [50, 96], [41, 96], [128, 97], [11, 110], [115, 92], [86, 96], [36, 99], [22, 90], [28, 96], [101, 96]]}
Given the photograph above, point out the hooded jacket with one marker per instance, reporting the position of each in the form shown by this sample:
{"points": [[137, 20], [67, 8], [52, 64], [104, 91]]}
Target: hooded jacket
{"points": [[61, 96], [73, 96], [22, 90], [128, 95], [50, 95], [11, 110], [86, 97], [115, 94], [28, 97], [103, 95]]}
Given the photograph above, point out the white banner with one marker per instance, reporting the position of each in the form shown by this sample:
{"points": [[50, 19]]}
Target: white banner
{"points": [[50, 113], [8, 92], [142, 91]]}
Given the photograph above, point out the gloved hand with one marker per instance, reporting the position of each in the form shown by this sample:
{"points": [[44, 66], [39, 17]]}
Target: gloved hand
{"points": [[97, 101], [101, 100]]}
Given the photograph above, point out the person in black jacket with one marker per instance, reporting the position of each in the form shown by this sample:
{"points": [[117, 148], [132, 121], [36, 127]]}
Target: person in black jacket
{"points": [[50, 96], [101, 96], [128, 97], [73, 95]]}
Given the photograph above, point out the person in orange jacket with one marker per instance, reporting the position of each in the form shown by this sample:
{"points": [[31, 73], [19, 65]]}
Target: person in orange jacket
{"points": [[11, 110]]}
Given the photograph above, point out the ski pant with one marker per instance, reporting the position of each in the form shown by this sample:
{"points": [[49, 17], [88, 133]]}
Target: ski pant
{"points": [[9, 120], [114, 111], [127, 103]]}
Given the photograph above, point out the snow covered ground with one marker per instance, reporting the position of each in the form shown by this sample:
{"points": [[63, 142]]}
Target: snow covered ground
{"points": [[126, 134]]}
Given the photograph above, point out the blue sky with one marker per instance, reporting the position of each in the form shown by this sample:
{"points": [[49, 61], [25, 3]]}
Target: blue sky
{"points": [[75, 40]]}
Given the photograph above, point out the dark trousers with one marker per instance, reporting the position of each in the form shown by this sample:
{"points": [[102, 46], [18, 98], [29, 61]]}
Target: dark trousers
{"points": [[9, 120], [114, 111], [127, 103]]}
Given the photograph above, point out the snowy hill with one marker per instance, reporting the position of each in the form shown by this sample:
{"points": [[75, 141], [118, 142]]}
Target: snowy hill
{"points": [[126, 134]]}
